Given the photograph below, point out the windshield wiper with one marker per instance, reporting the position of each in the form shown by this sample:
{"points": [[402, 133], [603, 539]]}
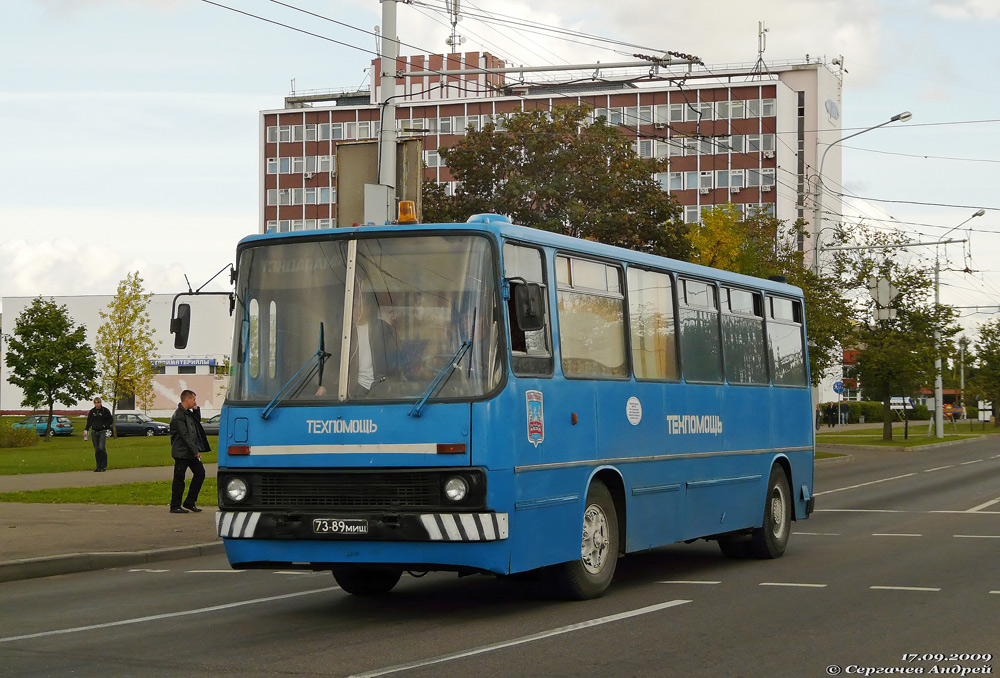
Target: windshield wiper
{"points": [[444, 372], [315, 362]]}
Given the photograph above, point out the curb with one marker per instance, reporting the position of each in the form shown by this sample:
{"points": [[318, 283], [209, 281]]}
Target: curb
{"points": [[48, 566]]}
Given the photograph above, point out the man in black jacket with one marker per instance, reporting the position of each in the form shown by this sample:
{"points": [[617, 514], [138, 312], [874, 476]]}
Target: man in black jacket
{"points": [[187, 442], [99, 423]]}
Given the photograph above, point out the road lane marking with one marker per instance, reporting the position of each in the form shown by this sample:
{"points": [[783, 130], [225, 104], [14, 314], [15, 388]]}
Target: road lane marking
{"points": [[818, 534], [904, 588], [168, 615], [939, 468], [792, 584], [873, 482], [147, 569], [895, 534], [517, 641], [974, 461], [688, 581], [976, 536], [976, 509], [213, 571], [864, 511], [966, 512]]}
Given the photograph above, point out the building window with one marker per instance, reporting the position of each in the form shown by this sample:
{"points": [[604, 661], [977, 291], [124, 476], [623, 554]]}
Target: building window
{"points": [[736, 178], [736, 109], [722, 179], [272, 134], [272, 165], [705, 180], [651, 321], [721, 110], [691, 214], [769, 108], [187, 369], [677, 112], [645, 148], [676, 181]]}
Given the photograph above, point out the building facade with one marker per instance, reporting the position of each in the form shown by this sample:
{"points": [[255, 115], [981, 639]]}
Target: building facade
{"points": [[748, 136], [201, 367]]}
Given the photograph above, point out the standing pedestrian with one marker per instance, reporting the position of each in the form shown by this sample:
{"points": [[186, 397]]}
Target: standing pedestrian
{"points": [[831, 415], [187, 442], [99, 423]]}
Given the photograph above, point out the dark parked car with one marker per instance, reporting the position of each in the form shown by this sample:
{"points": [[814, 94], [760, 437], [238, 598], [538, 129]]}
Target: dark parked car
{"points": [[61, 426], [211, 425], [130, 424]]}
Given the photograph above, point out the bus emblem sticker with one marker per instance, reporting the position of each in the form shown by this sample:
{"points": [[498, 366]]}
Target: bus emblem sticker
{"points": [[633, 410], [536, 418]]}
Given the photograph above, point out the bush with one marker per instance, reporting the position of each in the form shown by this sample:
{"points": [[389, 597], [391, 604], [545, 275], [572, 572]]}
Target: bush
{"points": [[16, 437]]}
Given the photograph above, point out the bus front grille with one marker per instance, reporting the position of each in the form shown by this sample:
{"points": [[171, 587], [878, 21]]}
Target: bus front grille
{"points": [[363, 491]]}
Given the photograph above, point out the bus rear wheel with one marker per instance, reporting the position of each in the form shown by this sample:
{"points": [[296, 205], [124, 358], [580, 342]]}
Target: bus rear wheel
{"points": [[770, 540], [366, 581], [590, 575]]}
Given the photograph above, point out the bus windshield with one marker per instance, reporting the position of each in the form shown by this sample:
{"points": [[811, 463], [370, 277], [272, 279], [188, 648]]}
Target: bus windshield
{"points": [[366, 319]]}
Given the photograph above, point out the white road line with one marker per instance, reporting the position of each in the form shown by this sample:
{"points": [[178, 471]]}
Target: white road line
{"points": [[994, 591], [854, 487], [903, 588], [298, 572], [895, 534], [518, 641], [155, 617], [976, 536], [146, 569], [818, 534], [687, 581], [974, 461], [862, 511], [939, 468], [793, 584], [978, 513], [988, 504], [213, 571]]}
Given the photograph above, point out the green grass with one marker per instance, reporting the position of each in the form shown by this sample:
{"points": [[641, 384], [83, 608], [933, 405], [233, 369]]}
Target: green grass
{"points": [[73, 453], [917, 436], [133, 494]]}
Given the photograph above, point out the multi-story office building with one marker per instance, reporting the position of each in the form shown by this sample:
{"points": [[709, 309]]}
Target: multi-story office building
{"points": [[743, 135]]}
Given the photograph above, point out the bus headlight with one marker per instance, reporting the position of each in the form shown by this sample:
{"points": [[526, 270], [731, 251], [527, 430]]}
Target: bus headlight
{"points": [[237, 490], [456, 489]]}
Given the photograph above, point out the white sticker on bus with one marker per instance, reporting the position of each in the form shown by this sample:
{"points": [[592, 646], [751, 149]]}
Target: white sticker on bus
{"points": [[633, 410], [683, 424]]}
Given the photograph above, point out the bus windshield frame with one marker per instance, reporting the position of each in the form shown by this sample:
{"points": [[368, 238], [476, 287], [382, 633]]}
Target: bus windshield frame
{"points": [[367, 319]]}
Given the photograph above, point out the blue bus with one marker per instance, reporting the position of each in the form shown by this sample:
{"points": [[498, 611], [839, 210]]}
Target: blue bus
{"points": [[485, 397]]}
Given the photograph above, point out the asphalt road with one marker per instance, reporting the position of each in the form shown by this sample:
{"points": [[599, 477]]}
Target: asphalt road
{"points": [[899, 567]]}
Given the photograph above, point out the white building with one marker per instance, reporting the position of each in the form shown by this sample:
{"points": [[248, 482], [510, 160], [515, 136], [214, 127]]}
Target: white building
{"points": [[200, 367]]}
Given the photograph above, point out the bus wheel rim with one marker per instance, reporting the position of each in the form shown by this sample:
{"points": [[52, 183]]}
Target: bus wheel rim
{"points": [[778, 508], [596, 530]]}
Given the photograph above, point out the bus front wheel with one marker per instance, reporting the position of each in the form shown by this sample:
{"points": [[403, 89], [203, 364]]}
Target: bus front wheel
{"points": [[590, 575], [366, 581], [770, 540]]}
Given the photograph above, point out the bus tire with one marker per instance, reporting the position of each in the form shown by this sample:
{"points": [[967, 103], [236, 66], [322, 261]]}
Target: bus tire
{"points": [[590, 575], [366, 581], [770, 540]]}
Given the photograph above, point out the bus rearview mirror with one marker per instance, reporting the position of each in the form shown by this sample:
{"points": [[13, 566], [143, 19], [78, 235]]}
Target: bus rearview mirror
{"points": [[180, 325], [529, 306]]}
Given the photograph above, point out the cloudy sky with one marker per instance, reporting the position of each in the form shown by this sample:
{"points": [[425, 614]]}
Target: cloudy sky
{"points": [[131, 126]]}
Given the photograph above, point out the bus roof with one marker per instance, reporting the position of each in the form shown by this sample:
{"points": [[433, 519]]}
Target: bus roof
{"points": [[504, 229]]}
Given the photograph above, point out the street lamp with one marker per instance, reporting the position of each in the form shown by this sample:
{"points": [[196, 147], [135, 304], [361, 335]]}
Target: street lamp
{"points": [[938, 382], [818, 199]]}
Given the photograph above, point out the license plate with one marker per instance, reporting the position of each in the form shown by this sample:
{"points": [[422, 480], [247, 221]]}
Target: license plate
{"points": [[340, 526]]}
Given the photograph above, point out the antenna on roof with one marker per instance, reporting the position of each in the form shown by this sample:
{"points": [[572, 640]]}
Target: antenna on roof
{"points": [[453, 8]]}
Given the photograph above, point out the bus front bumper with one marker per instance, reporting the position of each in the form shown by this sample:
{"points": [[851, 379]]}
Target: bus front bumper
{"points": [[418, 527]]}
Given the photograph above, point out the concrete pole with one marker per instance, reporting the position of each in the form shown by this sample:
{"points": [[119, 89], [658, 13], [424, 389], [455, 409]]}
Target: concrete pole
{"points": [[387, 84], [938, 384]]}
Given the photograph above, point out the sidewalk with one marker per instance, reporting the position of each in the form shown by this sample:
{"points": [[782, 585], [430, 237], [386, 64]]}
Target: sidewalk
{"points": [[40, 540]]}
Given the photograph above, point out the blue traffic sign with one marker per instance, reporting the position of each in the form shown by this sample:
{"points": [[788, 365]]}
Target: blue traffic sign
{"points": [[838, 387]]}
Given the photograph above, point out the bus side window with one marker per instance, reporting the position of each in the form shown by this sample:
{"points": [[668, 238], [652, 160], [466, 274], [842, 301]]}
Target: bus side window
{"points": [[701, 350], [531, 352], [785, 342], [651, 319]]}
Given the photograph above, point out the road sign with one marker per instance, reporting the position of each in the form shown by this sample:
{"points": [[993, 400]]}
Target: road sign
{"points": [[900, 403], [838, 387]]}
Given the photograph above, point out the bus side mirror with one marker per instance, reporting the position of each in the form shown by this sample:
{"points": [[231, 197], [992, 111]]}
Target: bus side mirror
{"points": [[529, 306], [180, 326]]}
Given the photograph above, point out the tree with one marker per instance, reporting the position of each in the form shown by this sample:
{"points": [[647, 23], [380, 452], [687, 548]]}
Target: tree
{"points": [[553, 171], [899, 351], [49, 358], [125, 344], [763, 246], [985, 384]]}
